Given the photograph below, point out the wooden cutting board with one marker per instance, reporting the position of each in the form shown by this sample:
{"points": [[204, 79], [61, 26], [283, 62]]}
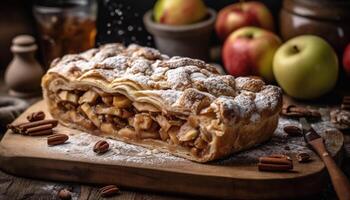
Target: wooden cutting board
{"points": [[131, 166]]}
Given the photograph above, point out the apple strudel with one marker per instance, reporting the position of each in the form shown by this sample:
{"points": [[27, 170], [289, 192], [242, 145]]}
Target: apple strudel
{"points": [[178, 105]]}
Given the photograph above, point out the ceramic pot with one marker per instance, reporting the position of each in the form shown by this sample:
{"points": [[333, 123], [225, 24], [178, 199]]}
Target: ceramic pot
{"points": [[191, 40], [326, 18], [23, 75]]}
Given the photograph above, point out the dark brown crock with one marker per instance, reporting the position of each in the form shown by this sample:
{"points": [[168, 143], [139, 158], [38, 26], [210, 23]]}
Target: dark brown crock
{"points": [[329, 19]]}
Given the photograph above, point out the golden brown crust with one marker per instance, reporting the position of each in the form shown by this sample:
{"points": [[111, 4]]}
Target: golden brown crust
{"points": [[237, 113]]}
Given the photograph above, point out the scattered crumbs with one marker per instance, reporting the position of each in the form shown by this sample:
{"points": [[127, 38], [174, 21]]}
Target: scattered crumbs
{"points": [[81, 145]]}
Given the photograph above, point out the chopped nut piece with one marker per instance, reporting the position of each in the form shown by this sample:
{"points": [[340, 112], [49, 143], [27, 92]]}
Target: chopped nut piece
{"points": [[68, 96], [121, 101], [64, 194], [88, 97], [87, 109], [303, 157]]}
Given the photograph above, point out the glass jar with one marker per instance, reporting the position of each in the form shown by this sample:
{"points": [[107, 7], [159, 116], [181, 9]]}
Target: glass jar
{"points": [[65, 26]]}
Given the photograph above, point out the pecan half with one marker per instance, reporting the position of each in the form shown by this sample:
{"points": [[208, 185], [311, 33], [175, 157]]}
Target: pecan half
{"points": [[293, 131], [101, 147], [109, 190], [64, 194], [303, 157], [36, 116], [57, 139]]}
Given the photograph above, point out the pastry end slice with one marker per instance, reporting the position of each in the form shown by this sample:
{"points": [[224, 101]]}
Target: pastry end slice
{"points": [[178, 105]]}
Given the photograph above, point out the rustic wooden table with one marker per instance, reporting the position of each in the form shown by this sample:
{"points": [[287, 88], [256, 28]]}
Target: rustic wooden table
{"points": [[12, 187]]}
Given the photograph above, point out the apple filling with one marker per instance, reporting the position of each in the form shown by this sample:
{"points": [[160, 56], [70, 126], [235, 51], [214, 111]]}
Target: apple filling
{"points": [[116, 114]]}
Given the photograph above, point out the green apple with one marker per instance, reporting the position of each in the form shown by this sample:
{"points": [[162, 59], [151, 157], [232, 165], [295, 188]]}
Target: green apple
{"points": [[306, 67], [179, 12]]}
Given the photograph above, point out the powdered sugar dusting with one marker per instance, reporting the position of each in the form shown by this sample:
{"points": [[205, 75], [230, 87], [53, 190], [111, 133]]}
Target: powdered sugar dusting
{"points": [[281, 143], [113, 64], [81, 146]]}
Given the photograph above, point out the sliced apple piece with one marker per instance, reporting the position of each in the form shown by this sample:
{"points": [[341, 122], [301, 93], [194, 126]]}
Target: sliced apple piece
{"points": [[88, 110], [121, 101], [89, 96], [65, 95], [149, 135], [127, 133], [100, 109], [188, 136], [173, 134], [142, 121], [107, 128], [164, 127], [108, 100]]}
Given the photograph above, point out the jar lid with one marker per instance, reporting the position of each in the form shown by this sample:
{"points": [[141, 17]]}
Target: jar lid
{"points": [[319, 9], [23, 43]]}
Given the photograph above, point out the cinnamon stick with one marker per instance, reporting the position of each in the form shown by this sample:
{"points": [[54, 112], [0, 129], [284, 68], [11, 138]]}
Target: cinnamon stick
{"points": [[40, 133], [269, 160], [39, 128], [273, 167], [38, 123]]}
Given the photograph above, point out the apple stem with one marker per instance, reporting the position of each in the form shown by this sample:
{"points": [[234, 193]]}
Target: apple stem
{"points": [[295, 48]]}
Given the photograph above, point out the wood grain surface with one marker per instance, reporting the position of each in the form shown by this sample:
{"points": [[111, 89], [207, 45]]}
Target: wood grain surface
{"points": [[30, 157]]}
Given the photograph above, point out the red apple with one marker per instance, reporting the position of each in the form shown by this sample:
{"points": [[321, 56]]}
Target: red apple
{"points": [[346, 60], [250, 51], [238, 15]]}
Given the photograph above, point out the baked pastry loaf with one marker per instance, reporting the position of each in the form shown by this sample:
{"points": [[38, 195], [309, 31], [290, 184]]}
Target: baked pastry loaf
{"points": [[177, 105]]}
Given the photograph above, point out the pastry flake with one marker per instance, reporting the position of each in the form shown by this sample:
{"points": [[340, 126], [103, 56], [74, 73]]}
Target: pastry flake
{"points": [[178, 105]]}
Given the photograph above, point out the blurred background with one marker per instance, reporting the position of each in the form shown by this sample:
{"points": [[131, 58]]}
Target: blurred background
{"points": [[117, 21]]}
